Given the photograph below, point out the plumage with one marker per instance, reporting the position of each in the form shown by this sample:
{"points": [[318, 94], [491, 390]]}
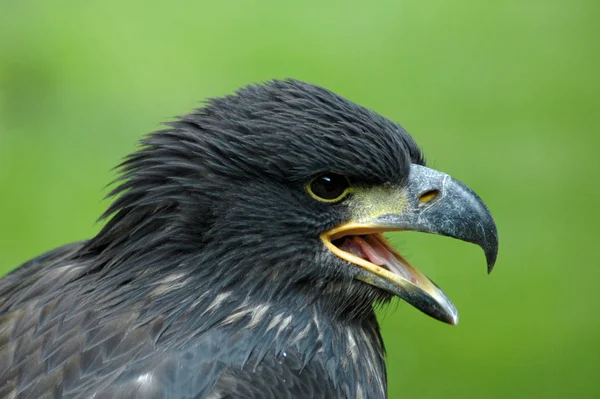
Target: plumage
{"points": [[209, 279]]}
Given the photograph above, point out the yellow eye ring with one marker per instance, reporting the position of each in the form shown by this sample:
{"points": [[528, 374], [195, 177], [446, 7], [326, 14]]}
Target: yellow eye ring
{"points": [[329, 187]]}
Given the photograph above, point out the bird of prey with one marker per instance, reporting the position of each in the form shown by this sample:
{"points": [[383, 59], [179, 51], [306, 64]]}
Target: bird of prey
{"points": [[242, 257]]}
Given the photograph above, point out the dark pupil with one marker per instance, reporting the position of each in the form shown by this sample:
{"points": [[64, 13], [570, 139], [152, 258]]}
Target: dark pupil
{"points": [[330, 186]]}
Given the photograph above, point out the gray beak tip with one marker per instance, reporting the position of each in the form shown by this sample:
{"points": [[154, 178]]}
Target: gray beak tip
{"points": [[491, 249]]}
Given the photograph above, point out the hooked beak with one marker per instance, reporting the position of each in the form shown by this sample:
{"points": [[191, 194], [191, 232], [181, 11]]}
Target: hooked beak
{"points": [[430, 202]]}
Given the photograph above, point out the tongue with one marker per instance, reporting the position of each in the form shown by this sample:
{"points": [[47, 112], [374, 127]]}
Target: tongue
{"points": [[368, 247]]}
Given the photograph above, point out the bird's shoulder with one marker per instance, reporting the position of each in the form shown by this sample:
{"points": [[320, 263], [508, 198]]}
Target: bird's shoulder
{"points": [[51, 336], [38, 276], [57, 335]]}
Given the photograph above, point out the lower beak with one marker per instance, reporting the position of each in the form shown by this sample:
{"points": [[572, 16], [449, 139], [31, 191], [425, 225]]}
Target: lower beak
{"points": [[431, 202]]}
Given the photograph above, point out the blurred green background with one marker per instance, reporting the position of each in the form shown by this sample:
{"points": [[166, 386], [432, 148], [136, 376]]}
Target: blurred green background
{"points": [[502, 95]]}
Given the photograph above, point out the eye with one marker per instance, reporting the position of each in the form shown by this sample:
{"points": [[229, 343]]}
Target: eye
{"points": [[329, 187]]}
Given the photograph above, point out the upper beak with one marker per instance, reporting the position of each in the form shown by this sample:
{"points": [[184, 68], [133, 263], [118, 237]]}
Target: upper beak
{"points": [[430, 202]]}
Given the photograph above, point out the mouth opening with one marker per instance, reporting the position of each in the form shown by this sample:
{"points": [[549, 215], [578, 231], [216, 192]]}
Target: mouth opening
{"points": [[375, 249], [383, 267]]}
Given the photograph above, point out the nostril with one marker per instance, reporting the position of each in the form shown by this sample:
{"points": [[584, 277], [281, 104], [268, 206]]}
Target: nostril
{"points": [[428, 196]]}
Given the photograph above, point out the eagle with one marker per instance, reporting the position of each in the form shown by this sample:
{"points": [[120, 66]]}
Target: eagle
{"points": [[242, 256]]}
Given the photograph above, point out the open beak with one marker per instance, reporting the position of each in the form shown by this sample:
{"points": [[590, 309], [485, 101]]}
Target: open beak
{"points": [[430, 202]]}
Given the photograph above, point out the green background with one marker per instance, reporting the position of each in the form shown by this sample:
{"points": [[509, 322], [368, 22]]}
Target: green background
{"points": [[501, 95]]}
